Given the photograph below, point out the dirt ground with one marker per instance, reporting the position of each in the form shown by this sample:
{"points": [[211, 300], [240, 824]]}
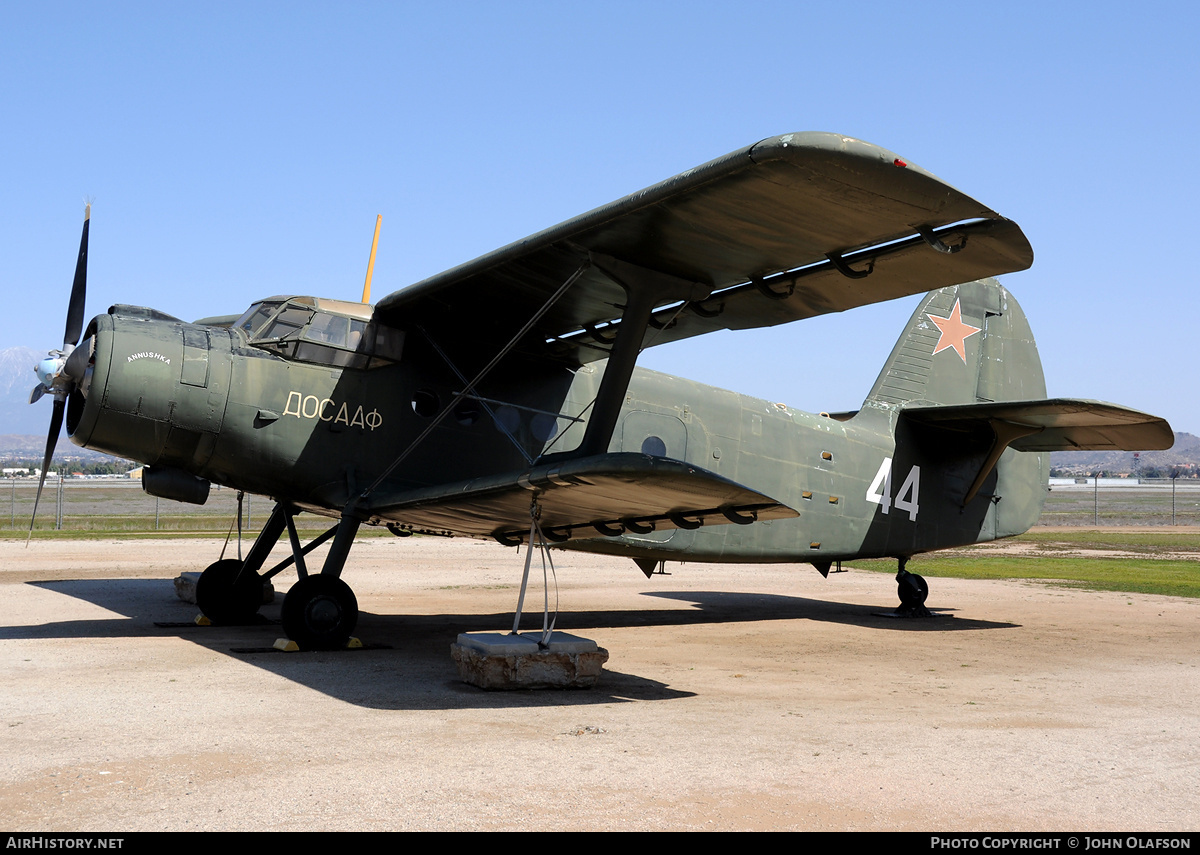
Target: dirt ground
{"points": [[735, 698]]}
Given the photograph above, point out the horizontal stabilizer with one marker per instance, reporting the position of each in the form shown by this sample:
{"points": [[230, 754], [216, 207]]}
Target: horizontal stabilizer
{"points": [[606, 494], [1054, 424]]}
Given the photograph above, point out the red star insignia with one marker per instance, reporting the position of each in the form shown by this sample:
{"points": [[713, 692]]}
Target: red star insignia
{"points": [[954, 332]]}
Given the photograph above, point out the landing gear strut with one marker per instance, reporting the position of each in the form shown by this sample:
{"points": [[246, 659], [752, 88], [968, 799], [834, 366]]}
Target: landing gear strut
{"points": [[912, 590], [319, 612]]}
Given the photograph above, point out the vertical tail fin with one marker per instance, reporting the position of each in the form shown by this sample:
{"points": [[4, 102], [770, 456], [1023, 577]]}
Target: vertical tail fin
{"points": [[963, 344], [967, 344]]}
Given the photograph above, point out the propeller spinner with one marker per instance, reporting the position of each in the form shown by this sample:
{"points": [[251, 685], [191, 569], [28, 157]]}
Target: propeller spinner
{"points": [[62, 371]]}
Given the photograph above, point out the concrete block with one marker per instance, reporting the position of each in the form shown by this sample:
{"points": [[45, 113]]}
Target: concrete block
{"points": [[497, 660]]}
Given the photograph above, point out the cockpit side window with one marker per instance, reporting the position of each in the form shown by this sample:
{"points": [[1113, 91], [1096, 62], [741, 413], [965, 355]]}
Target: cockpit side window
{"points": [[328, 329], [389, 343]]}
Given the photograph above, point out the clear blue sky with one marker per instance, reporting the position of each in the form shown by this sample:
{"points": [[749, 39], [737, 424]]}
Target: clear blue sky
{"points": [[235, 151]]}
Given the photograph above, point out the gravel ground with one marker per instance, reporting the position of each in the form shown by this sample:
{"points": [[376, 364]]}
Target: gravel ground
{"points": [[735, 698]]}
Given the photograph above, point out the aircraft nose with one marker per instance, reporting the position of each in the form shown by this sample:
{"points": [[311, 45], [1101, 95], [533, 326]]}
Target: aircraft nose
{"points": [[47, 369]]}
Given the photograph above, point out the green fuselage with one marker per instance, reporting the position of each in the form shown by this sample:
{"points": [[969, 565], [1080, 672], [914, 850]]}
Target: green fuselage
{"points": [[201, 400]]}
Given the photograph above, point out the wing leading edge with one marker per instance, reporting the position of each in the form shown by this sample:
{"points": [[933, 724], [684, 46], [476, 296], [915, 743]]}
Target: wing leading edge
{"points": [[789, 228]]}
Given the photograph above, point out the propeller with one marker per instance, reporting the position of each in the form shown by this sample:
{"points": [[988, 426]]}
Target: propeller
{"points": [[63, 371]]}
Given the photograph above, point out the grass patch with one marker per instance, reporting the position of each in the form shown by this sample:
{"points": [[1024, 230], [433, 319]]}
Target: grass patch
{"points": [[1143, 542], [1148, 576]]}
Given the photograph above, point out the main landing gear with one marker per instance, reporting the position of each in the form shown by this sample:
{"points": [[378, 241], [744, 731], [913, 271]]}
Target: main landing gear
{"points": [[229, 593], [319, 612], [912, 590]]}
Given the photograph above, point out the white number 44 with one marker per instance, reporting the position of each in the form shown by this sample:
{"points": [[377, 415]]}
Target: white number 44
{"points": [[907, 499]]}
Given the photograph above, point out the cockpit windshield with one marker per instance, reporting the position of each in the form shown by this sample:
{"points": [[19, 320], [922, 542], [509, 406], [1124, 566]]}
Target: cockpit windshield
{"points": [[328, 332], [255, 317]]}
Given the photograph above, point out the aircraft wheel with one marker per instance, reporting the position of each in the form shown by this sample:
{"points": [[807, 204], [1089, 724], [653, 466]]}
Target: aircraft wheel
{"points": [[226, 599], [319, 613], [913, 590]]}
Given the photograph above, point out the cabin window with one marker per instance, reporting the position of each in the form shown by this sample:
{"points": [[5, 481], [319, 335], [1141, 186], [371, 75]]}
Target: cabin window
{"points": [[467, 413], [425, 403], [543, 426], [654, 446]]}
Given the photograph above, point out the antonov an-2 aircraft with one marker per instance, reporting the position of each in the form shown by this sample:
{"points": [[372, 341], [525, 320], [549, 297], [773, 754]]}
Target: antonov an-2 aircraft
{"points": [[500, 399]]}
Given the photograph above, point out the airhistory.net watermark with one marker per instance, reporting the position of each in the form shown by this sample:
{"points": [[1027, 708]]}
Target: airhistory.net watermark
{"points": [[50, 841]]}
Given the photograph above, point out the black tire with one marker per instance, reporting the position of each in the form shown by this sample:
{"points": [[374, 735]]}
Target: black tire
{"points": [[225, 598], [912, 590], [320, 613]]}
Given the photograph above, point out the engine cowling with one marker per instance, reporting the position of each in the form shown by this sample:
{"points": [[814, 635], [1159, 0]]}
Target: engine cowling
{"points": [[155, 391]]}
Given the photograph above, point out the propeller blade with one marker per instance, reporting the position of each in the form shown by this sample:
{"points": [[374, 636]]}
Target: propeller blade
{"points": [[79, 288], [56, 420], [52, 440], [36, 393]]}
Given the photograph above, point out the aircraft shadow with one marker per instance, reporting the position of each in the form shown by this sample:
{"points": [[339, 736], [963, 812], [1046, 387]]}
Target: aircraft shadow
{"points": [[724, 606], [406, 664]]}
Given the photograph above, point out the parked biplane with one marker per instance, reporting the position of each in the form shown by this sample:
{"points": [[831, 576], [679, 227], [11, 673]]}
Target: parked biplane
{"points": [[500, 399]]}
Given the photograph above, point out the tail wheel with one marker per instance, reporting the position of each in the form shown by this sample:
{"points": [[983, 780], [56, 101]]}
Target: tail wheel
{"points": [[319, 613], [912, 590], [227, 594]]}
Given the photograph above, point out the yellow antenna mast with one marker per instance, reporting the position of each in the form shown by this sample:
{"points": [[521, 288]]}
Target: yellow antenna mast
{"points": [[371, 263]]}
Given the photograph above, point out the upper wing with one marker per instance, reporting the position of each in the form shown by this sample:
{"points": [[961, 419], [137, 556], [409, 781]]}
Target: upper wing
{"points": [[782, 230]]}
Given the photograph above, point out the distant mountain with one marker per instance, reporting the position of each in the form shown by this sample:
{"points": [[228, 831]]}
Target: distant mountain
{"points": [[14, 447], [16, 379], [23, 426], [1185, 452]]}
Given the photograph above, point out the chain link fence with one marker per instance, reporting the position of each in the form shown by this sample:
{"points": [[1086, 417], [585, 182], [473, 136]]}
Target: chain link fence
{"points": [[112, 505], [1118, 501]]}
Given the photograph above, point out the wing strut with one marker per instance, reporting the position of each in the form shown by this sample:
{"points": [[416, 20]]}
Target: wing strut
{"points": [[543, 545], [470, 387], [645, 289]]}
